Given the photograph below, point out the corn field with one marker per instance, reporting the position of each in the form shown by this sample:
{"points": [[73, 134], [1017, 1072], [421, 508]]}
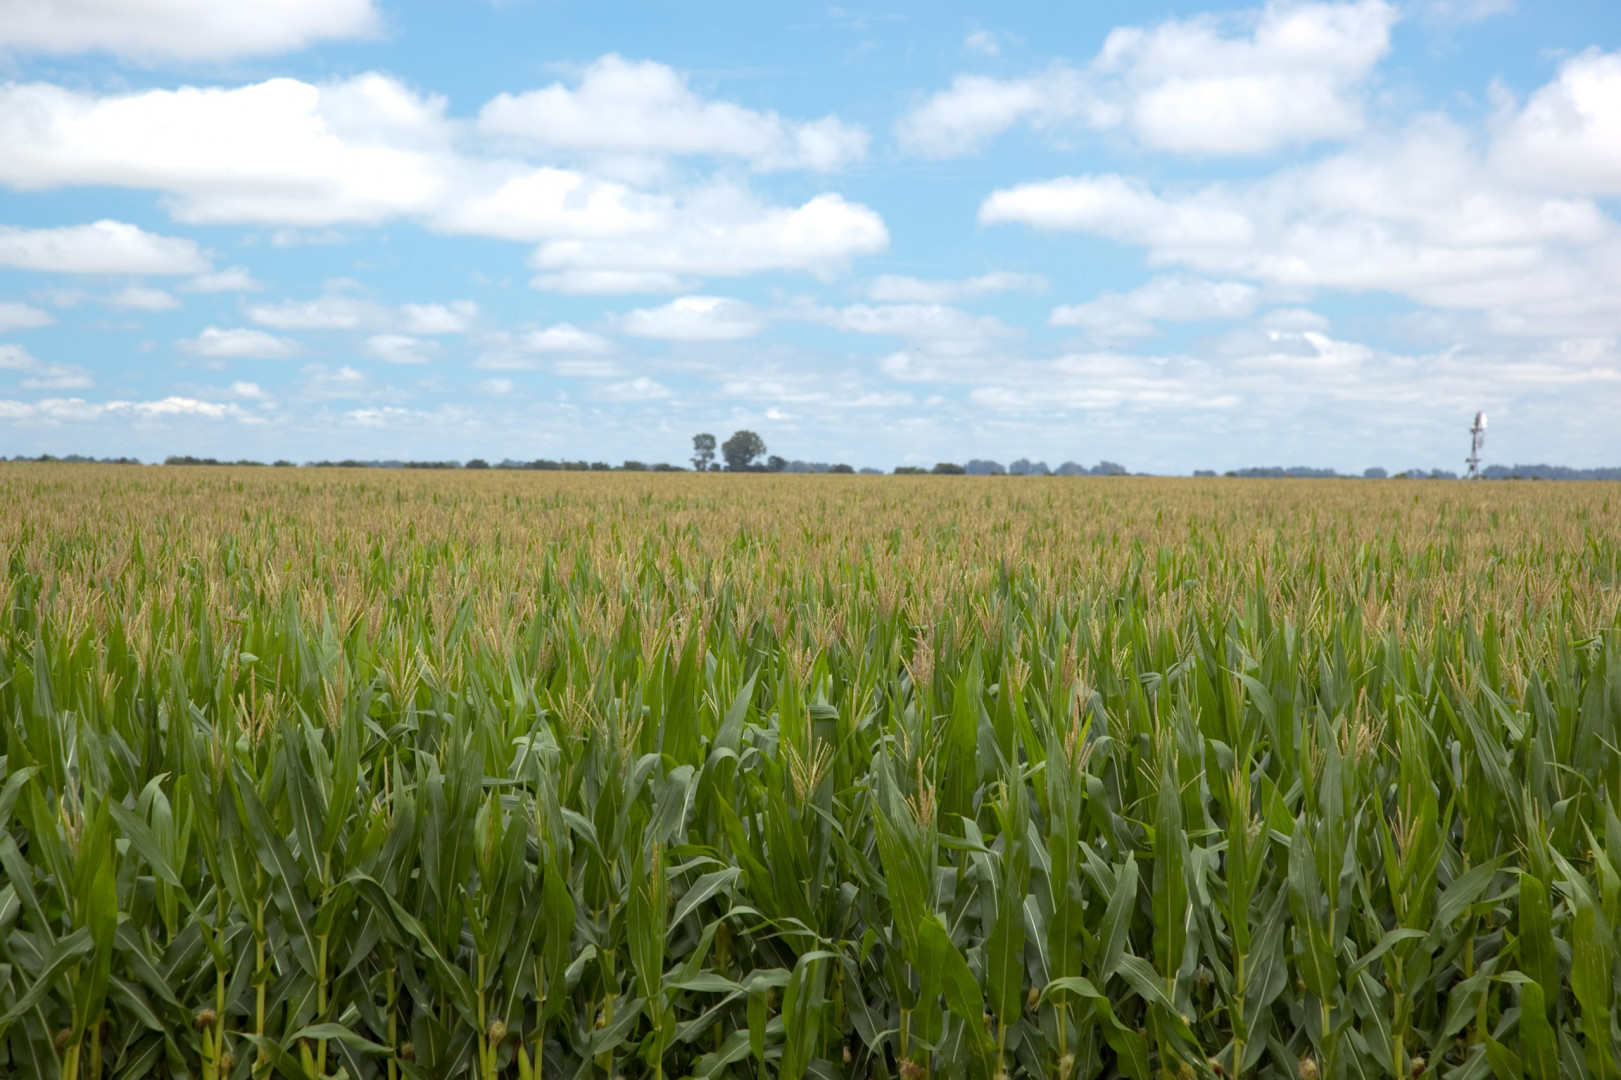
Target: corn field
{"points": [[363, 775]]}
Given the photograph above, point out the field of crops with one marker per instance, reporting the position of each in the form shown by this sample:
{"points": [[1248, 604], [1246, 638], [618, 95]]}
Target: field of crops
{"points": [[378, 774]]}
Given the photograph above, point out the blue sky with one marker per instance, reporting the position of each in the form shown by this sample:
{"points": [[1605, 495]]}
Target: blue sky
{"points": [[1177, 236]]}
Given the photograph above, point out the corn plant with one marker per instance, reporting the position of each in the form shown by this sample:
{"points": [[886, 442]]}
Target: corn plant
{"points": [[527, 776]]}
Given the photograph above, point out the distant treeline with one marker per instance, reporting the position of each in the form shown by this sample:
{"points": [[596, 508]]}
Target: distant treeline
{"points": [[1490, 472], [975, 467], [1547, 472]]}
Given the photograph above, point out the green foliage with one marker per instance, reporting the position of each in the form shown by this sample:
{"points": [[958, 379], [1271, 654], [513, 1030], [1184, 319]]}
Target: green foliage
{"points": [[741, 450], [381, 778]]}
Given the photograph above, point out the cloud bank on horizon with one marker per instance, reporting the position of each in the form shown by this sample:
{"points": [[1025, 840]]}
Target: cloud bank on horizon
{"points": [[1319, 232]]}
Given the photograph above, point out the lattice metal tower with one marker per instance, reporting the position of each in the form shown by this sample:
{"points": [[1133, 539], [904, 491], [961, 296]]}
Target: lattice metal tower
{"points": [[1477, 439]]}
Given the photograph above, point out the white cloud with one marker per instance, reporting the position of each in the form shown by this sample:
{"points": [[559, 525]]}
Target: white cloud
{"points": [[140, 298], [933, 332], [240, 344], [334, 311], [722, 232], [39, 375], [104, 247], [323, 382], [695, 318], [369, 149], [1296, 78], [976, 108], [562, 338], [280, 152], [173, 406], [1120, 209], [453, 318], [496, 387], [180, 29], [1162, 299], [1568, 135], [1420, 214], [644, 108], [18, 316], [400, 349], [231, 279], [62, 298], [1294, 319], [640, 388], [509, 351], [343, 307], [1186, 85], [982, 43], [898, 288], [251, 391]]}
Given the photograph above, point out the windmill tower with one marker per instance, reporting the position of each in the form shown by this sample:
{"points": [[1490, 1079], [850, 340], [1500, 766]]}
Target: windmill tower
{"points": [[1477, 439]]}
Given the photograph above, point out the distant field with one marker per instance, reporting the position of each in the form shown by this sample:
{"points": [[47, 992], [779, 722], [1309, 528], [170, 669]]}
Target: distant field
{"points": [[395, 774]]}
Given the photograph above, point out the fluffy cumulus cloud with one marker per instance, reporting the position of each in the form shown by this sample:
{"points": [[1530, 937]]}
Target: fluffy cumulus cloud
{"points": [[976, 108], [180, 29], [695, 318], [36, 374], [19, 316], [400, 349], [456, 317], [1297, 76], [1568, 135], [562, 338], [231, 279], [240, 344], [1163, 299], [142, 298], [565, 348], [643, 108], [103, 247], [1211, 85], [368, 149], [938, 338], [719, 232], [334, 311], [283, 151], [344, 306], [1421, 213], [640, 388]]}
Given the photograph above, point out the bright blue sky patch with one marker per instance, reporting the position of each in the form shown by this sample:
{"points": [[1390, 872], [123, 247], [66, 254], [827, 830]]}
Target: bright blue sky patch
{"points": [[1175, 236]]}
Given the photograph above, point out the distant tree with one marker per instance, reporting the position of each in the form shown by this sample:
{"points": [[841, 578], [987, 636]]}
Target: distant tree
{"points": [[910, 470], [946, 468], [634, 466], [601, 466], [741, 450], [775, 463], [841, 469], [477, 463], [703, 451], [1375, 473]]}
